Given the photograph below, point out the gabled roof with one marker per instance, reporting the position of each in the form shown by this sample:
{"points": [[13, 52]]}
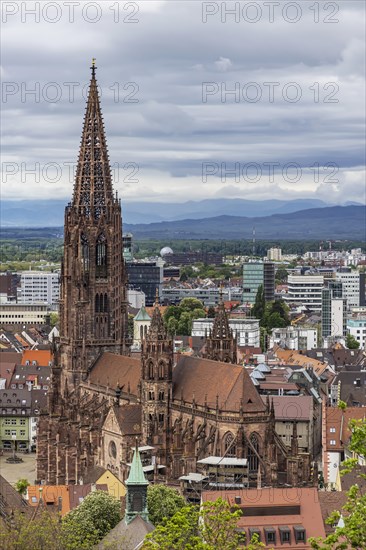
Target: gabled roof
{"points": [[129, 419], [131, 535], [204, 380], [43, 357], [111, 370], [338, 420]]}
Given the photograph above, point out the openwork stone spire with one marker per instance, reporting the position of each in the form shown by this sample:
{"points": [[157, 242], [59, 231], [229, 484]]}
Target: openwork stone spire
{"points": [[93, 184], [157, 329], [221, 327], [221, 343]]}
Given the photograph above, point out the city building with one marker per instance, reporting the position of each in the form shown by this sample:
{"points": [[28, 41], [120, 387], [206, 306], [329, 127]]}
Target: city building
{"points": [[256, 274], [353, 285], [281, 518], [246, 331], [334, 308], [8, 286], [294, 338], [20, 410], [127, 245], [208, 296], [39, 287], [357, 329], [24, 314], [136, 298], [147, 277], [274, 254], [305, 290]]}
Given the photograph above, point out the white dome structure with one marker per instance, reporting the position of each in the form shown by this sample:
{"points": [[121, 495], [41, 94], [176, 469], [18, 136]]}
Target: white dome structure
{"points": [[166, 251]]}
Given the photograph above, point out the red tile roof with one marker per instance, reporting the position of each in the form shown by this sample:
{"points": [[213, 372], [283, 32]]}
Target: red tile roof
{"points": [[43, 357], [274, 507]]}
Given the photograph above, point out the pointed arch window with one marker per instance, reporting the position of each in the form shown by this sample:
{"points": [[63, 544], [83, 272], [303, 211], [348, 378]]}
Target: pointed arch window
{"points": [[229, 445], [253, 450], [101, 256], [150, 370], [85, 256], [161, 370]]}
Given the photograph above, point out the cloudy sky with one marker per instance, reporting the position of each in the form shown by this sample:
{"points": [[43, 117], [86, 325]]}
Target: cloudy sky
{"points": [[264, 102]]}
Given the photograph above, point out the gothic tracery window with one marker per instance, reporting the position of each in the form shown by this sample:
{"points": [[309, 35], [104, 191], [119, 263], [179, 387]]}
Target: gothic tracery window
{"points": [[229, 445], [84, 246], [253, 449], [101, 256]]}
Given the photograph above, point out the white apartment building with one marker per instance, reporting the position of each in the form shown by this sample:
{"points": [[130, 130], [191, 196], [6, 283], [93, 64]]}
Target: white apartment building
{"points": [[274, 254], [247, 331], [305, 290], [39, 287], [350, 288], [294, 338], [357, 328]]}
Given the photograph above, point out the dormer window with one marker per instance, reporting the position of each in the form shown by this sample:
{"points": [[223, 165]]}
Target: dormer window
{"points": [[270, 535], [299, 532]]}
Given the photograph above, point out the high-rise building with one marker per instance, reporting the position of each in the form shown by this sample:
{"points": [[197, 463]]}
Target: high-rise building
{"points": [[274, 254], [353, 284], [333, 310], [305, 290], [146, 276], [256, 274]]}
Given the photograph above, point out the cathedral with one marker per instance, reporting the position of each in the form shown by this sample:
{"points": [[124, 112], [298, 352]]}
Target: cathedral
{"points": [[102, 398]]}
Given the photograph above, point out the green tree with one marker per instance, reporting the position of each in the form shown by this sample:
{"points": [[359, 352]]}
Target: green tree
{"points": [[163, 502], [172, 326], [184, 324], [259, 304], [53, 319], [281, 275], [190, 304], [91, 520], [26, 533], [213, 527], [21, 486], [352, 534], [351, 342]]}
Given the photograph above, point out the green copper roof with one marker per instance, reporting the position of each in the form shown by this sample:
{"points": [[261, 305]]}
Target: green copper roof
{"points": [[136, 475], [142, 315]]}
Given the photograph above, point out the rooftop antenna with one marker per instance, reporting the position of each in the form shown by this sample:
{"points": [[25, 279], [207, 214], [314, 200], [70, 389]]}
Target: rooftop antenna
{"points": [[253, 249]]}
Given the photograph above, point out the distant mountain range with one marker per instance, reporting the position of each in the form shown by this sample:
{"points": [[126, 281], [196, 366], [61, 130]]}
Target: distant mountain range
{"points": [[50, 213], [336, 222]]}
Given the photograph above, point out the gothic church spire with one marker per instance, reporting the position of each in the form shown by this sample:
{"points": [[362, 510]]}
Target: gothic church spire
{"points": [[93, 184]]}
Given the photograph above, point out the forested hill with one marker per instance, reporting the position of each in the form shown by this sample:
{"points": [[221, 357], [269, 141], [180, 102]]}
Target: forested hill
{"points": [[336, 222]]}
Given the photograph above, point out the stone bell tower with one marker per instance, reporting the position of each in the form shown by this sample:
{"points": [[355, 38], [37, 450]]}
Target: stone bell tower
{"points": [[93, 305]]}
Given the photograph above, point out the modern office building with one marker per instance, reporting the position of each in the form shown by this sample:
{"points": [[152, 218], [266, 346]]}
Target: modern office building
{"points": [[353, 284], [333, 310], [305, 290], [256, 274], [146, 276], [127, 247], [39, 287]]}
